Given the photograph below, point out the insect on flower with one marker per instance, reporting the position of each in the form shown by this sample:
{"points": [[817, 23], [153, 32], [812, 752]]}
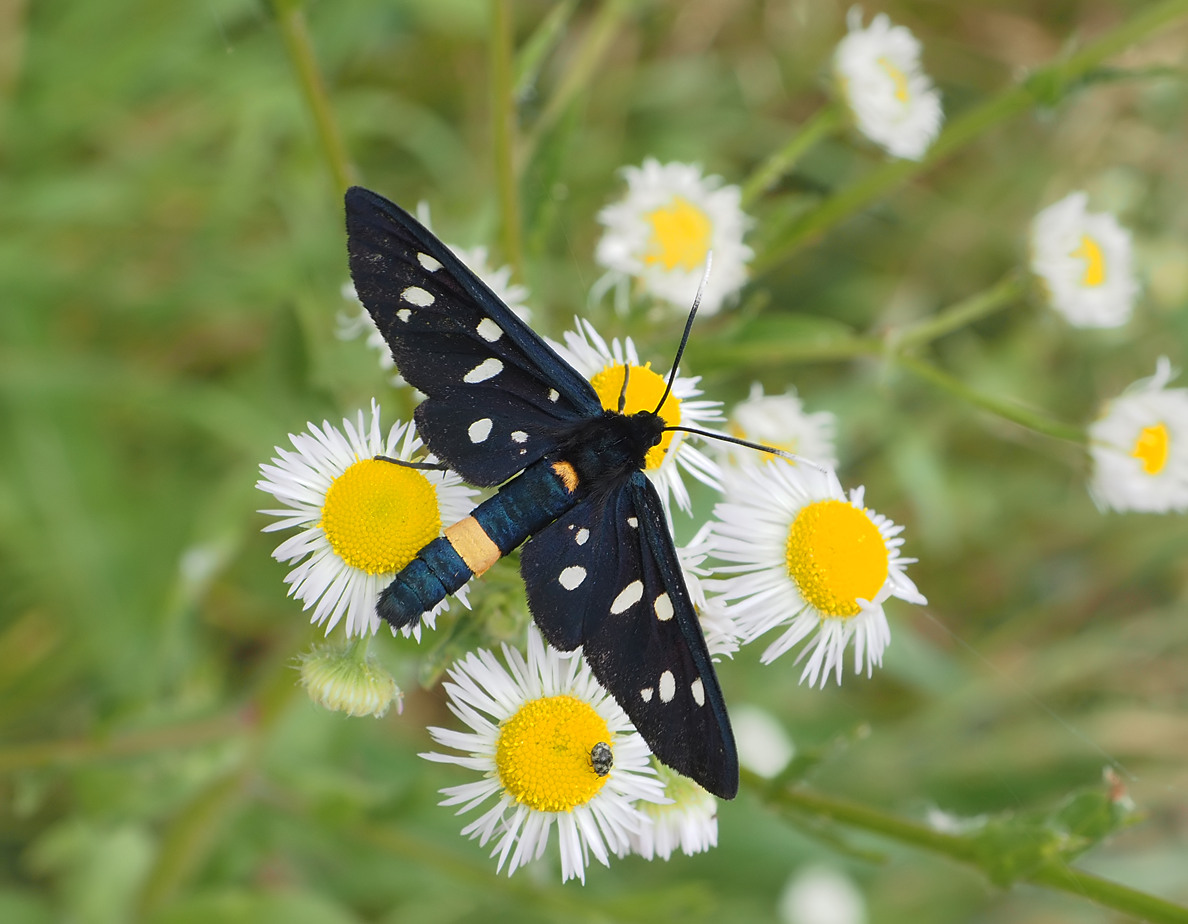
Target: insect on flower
{"points": [[598, 561]]}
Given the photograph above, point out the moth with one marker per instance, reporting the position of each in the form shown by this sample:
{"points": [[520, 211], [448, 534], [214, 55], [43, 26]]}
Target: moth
{"points": [[503, 409]]}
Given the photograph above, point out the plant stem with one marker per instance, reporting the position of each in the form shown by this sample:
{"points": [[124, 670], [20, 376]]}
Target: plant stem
{"points": [[964, 129], [801, 801], [966, 312], [290, 18], [503, 133], [1009, 410], [819, 126]]}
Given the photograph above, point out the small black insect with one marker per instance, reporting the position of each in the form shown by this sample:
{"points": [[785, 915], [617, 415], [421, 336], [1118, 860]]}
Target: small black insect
{"points": [[598, 561], [601, 758]]}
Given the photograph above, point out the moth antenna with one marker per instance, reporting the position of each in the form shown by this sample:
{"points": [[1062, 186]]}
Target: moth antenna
{"points": [[623, 391], [709, 262], [422, 466], [782, 453]]}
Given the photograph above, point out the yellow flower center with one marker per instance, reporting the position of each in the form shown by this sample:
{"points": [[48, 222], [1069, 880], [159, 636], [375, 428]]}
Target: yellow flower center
{"points": [[680, 236], [836, 556], [897, 77], [644, 388], [1152, 447], [1090, 252], [378, 515], [543, 753]]}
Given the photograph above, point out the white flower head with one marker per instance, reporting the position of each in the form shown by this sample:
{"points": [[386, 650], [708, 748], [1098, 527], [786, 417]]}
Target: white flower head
{"points": [[822, 895], [349, 679], [660, 232], [360, 519], [1139, 447], [717, 622], [781, 421], [893, 101], [763, 745], [688, 822], [607, 366], [539, 732], [803, 555], [1083, 260]]}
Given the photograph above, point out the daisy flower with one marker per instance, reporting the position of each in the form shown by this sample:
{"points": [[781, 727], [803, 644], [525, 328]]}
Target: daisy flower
{"points": [[803, 555], [1139, 447], [660, 232], [780, 421], [689, 821], [1083, 260], [349, 679], [553, 748], [606, 367], [717, 623], [361, 519], [892, 100]]}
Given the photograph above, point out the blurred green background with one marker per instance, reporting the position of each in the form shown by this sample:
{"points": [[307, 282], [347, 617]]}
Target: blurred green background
{"points": [[171, 255]]}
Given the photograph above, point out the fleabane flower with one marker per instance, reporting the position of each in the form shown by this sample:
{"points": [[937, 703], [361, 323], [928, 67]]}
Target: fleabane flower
{"points": [[554, 750], [606, 366], [360, 519], [661, 231], [717, 623], [688, 822], [804, 556], [1083, 260], [780, 421], [349, 679], [892, 100], [1139, 447]]}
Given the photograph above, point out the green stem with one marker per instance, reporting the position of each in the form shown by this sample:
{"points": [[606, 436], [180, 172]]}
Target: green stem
{"points": [[585, 62], [295, 32], [820, 126], [964, 129], [503, 132], [978, 306], [1059, 876], [1016, 413]]}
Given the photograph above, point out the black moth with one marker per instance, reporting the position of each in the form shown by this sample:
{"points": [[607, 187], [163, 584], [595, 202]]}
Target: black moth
{"points": [[598, 562]]}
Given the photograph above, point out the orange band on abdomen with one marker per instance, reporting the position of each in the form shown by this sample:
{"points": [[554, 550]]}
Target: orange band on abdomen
{"points": [[473, 545]]}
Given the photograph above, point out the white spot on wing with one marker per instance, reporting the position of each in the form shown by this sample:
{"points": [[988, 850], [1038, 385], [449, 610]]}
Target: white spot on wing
{"points": [[479, 430], [519, 436], [404, 314], [627, 598], [489, 330], [632, 522], [697, 688], [572, 577], [428, 262], [646, 694], [554, 394], [487, 369], [581, 536], [667, 687], [415, 295], [663, 608]]}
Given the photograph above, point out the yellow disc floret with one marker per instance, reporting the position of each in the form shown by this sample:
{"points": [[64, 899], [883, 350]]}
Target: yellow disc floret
{"points": [[644, 388], [837, 556], [681, 234], [542, 754], [897, 78], [378, 515], [1095, 268], [1152, 447]]}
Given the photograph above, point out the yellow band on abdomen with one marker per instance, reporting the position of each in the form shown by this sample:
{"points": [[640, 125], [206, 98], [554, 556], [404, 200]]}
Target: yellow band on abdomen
{"points": [[473, 545]]}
